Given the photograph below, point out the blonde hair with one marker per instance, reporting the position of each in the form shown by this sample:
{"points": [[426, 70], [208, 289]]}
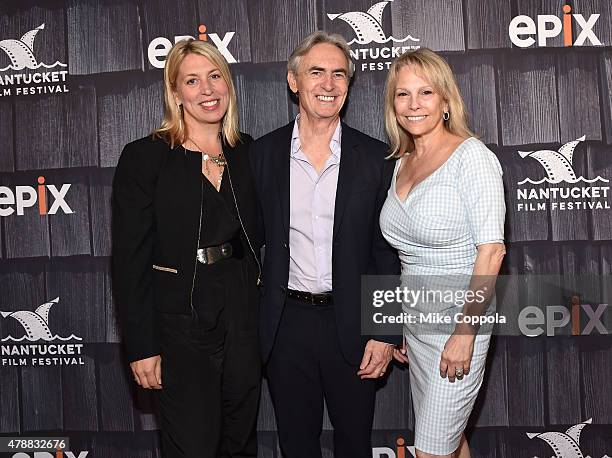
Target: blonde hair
{"points": [[437, 71], [172, 128]]}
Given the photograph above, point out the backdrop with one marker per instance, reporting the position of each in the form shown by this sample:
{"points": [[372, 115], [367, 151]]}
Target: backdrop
{"points": [[80, 78]]}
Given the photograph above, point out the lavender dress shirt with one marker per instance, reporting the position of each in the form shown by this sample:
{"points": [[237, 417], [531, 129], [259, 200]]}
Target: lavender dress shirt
{"points": [[311, 216]]}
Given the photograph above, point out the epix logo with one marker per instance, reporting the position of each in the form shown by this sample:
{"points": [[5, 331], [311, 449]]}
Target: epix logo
{"points": [[532, 320], [522, 29], [160, 46], [21, 197], [58, 454], [402, 450]]}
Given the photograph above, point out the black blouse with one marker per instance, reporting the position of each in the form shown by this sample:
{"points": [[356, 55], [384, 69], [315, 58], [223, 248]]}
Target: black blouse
{"points": [[220, 222]]}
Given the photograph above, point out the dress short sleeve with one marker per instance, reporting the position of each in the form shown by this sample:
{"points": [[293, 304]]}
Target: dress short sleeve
{"points": [[482, 191]]}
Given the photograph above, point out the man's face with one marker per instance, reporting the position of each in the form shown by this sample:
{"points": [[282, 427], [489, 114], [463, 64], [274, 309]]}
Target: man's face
{"points": [[321, 82]]}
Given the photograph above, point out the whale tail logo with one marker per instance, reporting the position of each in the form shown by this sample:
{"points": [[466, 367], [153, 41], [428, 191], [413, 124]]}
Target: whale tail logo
{"points": [[35, 324], [558, 164], [21, 52], [368, 26], [565, 445]]}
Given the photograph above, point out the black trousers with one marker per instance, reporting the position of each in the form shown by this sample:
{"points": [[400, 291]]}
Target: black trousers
{"points": [[211, 369], [210, 395], [306, 366]]}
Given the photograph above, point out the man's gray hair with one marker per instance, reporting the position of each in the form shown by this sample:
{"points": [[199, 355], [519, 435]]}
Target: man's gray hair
{"points": [[315, 38]]}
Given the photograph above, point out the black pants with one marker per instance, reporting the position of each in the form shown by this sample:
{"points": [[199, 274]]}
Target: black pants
{"points": [[211, 370], [210, 395], [307, 366]]}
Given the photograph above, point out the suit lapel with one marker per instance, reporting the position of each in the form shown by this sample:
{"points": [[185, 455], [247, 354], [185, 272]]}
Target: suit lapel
{"points": [[282, 158], [348, 170]]}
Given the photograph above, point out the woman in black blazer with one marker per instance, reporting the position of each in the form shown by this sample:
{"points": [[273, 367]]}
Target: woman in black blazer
{"points": [[185, 261]]}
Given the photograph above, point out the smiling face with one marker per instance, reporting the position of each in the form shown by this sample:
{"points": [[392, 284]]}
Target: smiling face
{"points": [[322, 81], [202, 91], [418, 107]]}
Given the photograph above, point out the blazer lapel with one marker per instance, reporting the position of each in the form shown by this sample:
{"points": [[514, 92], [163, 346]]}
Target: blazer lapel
{"points": [[348, 169], [233, 175], [283, 158], [184, 178], [192, 183]]}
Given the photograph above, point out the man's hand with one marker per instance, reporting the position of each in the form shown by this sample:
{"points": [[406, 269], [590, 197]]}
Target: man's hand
{"points": [[400, 354], [147, 372], [376, 358]]}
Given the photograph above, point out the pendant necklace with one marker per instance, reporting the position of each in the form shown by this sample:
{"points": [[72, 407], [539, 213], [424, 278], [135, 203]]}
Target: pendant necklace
{"points": [[219, 160]]}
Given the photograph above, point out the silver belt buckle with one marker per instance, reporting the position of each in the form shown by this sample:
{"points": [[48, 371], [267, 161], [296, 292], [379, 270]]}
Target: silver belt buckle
{"points": [[201, 256], [211, 255]]}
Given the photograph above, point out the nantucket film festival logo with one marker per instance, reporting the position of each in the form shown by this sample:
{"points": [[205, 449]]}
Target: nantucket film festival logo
{"points": [[25, 75], [38, 344], [563, 444], [567, 444], [371, 48], [561, 188]]}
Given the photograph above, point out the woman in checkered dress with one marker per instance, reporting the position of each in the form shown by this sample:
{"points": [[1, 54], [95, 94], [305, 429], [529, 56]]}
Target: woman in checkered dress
{"points": [[444, 214]]}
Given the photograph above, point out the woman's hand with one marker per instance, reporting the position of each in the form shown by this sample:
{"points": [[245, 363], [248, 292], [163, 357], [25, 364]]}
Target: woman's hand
{"points": [[457, 356], [147, 372], [459, 348]]}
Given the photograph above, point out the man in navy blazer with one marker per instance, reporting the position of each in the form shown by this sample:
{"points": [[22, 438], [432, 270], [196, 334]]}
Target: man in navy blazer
{"points": [[321, 186]]}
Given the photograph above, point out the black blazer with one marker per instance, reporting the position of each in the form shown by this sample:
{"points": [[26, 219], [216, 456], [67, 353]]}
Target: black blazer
{"points": [[156, 215], [358, 246]]}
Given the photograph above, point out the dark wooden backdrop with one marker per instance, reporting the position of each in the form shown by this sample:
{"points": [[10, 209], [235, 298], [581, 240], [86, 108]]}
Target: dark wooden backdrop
{"points": [[518, 99]]}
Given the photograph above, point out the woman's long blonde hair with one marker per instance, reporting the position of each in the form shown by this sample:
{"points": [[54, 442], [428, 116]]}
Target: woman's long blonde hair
{"points": [[173, 128], [435, 69]]}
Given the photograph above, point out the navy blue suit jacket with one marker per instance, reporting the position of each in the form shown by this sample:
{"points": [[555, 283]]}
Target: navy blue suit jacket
{"points": [[358, 246]]}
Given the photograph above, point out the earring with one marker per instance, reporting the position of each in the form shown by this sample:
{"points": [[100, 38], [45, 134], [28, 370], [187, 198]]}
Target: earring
{"points": [[446, 116]]}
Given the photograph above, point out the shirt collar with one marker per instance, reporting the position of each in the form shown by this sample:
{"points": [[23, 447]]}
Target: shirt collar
{"points": [[334, 144]]}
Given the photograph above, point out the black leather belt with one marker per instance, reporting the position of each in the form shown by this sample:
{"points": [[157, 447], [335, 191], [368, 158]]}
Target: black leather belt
{"points": [[212, 254], [311, 298]]}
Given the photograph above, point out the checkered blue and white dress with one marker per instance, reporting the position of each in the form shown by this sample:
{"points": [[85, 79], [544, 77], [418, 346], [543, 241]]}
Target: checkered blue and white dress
{"points": [[436, 231]]}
